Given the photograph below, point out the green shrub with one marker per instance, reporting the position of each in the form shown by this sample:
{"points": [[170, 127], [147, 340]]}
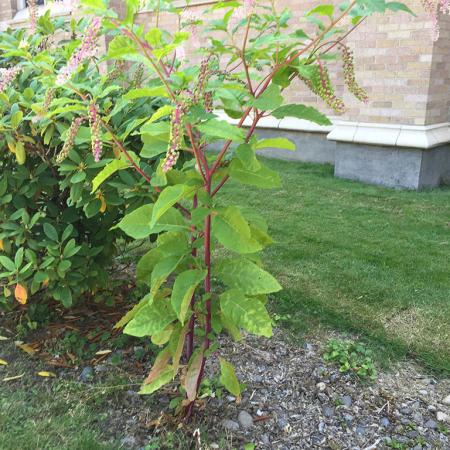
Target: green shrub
{"points": [[55, 237]]}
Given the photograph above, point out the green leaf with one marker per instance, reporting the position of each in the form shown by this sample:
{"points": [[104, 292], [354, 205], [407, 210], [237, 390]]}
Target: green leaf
{"points": [[21, 154], [222, 130], [192, 374], [243, 274], [322, 10], [16, 118], [263, 177], [137, 223], [161, 112], [7, 263], [228, 378], [151, 318], [232, 230], [301, 112], [146, 265], [133, 311], [161, 271], [95, 5], [271, 98], [50, 232], [184, 287], [109, 170], [397, 6], [157, 91], [247, 156], [166, 376], [275, 143], [168, 198], [246, 312]]}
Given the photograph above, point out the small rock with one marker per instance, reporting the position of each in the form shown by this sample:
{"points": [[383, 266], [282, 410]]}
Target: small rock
{"points": [[230, 425], [348, 418], [283, 423], [385, 422], [265, 439], [257, 378], [442, 417], [431, 408], [346, 400], [128, 442], [318, 439], [446, 400], [423, 392], [361, 430], [412, 434], [214, 445], [230, 398], [431, 424], [100, 368], [404, 411], [328, 411], [87, 374], [322, 397], [321, 386], [245, 419], [308, 347]]}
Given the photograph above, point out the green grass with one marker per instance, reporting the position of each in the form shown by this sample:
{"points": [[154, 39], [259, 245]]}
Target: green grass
{"points": [[358, 258]]}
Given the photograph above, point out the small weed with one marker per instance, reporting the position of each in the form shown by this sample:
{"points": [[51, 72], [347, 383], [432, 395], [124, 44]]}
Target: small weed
{"points": [[396, 445], [351, 357], [443, 429]]}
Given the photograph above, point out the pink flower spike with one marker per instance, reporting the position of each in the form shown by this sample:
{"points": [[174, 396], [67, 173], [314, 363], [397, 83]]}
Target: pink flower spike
{"points": [[85, 51]]}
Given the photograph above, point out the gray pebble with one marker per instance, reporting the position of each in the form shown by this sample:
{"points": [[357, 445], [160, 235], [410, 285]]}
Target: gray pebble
{"points": [[430, 424], [128, 442], [446, 400], [346, 400], [87, 374], [328, 411], [348, 418], [385, 422], [245, 419], [361, 430], [265, 439], [230, 425]]}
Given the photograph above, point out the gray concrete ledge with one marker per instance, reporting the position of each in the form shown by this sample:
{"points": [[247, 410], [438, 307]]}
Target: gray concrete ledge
{"points": [[393, 167]]}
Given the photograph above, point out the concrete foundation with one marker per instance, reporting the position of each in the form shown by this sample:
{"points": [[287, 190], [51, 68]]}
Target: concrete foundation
{"points": [[398, 167], [393, 166]]}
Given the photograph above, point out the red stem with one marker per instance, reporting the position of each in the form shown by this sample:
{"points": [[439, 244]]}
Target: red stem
{"points": [[190, 333]]}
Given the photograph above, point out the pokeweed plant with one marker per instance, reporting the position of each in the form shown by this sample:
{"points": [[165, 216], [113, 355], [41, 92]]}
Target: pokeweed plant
{"points": [[56, 211], [205, 274]]}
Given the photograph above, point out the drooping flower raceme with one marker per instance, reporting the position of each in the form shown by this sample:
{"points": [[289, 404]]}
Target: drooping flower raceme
{"points": [[70, 139], [33, 15], [94, 122], [349, 75], [86, 50], [176, 136], [319, 83], [7, 76]]}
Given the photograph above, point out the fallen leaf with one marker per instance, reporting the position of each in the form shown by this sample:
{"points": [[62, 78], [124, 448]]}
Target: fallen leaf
{"points": [[16, 377], [3, 362], [1, 245], [103, 352], [21, 294], [44, 373], [26, 348]]}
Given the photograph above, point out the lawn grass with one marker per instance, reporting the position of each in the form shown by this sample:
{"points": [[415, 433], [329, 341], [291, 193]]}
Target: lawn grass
{"points": [[359, 258]]}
